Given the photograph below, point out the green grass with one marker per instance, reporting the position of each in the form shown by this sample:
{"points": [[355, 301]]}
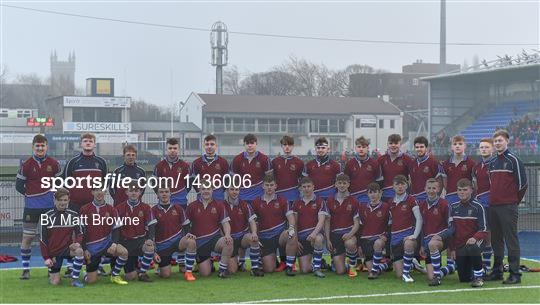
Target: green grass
{"points": [[243, 288]]}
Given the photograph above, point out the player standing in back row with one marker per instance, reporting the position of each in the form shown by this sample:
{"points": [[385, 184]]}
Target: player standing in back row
{"points": [[323, 170]]}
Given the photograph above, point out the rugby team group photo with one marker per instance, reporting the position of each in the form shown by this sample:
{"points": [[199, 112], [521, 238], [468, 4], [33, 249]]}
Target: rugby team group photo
{"points": [[356, 217]]}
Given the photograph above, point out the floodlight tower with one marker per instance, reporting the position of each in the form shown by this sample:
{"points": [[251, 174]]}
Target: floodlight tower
{"points": [[219, 38], [442, 44]]}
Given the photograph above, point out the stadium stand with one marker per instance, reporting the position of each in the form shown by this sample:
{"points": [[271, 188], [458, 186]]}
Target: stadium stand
{"points": [[497, 117]]}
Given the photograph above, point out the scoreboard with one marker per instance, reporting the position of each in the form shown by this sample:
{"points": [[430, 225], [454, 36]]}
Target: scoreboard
{"points": [[40, 122]]}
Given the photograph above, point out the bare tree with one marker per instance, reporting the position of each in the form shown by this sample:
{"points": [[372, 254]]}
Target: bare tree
{"points": [[231, 81]]}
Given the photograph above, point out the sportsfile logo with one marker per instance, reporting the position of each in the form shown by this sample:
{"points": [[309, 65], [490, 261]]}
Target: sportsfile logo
{"points": [[109, 181]]}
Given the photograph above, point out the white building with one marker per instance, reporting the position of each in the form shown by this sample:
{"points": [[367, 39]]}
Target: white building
{"points": [[340, 120]]}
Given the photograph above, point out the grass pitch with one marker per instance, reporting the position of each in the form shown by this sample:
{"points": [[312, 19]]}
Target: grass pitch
{"points": [[272, 288]]}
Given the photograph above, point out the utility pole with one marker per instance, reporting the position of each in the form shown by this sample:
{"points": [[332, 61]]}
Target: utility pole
{"points": [[219, 39]]}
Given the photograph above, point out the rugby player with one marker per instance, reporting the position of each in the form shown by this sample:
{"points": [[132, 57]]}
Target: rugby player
{"points": [[322, 170], [393, 163], [362, 170], [422, 168], [457, 167], [211, 164]]}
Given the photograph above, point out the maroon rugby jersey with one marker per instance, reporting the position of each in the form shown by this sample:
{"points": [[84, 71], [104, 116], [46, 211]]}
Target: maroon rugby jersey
{"points": [[402, 214], [170, 220], [308, 215], [454, 172], [420, 170], [323, 174], [271, 216], [362, 173], [342, 214], [206, 222], [434, 216], [256, 168], [390, 169], [287, 171], [177, 171], [61, 231], [240, 214], [141, 211], [374, 220], [100, 231]]}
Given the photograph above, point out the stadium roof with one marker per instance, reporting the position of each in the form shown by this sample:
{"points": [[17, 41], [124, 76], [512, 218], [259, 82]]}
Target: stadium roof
{"points": [[513, 72], [296, 104], [163, 126]]}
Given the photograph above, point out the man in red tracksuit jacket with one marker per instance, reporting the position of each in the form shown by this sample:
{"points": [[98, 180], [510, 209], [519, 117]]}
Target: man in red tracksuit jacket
{"points": [[508, 186]]}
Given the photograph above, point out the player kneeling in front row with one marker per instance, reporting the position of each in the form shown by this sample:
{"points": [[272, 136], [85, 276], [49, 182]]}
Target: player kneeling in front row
{"points": [[242, 219], [341, 226], [310, 214], [101, 238], [61, 235], [374, 219], [468, 218], [405, 228], [273, 212], [170, 235], [435, 214], [206, 217], [137, 234]]}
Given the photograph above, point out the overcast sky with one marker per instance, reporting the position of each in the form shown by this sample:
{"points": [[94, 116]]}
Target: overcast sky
{"points": [[143, 58]]}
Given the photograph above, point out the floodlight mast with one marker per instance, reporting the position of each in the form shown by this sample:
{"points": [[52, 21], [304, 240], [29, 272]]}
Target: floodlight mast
{"points": [[219, 39]]}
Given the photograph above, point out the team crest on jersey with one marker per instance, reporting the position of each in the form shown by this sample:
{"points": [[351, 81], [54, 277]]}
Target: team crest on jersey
{"points": [[379, 214], [213, 211], [174, 212], [435, 211], [217, 166], [107, 214], [240, 212], [141, 214], [349, 207], [400, 162], [404, 207], [96, 164], [257, 164], [464, 167], [293, 167], [179, 170], [469, 212], [426, 169], [327, 166], [276, 205], [49, 168], [369, 168]]}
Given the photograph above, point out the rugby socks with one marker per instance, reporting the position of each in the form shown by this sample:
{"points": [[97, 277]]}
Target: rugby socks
{"points": [[317, 259], [449, 268], [290, 260], [69, 263], [436, 262], [486, 258], [478, 273], [181, 259], [222, 266], [377, 265], [77, 266], [407, 262], [118, 265], [255, 257], [25, 258], [353, 257], [190, 261], [146, 260]]}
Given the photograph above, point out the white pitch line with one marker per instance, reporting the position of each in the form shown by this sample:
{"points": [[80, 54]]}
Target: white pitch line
{"points": [[385, 294]]}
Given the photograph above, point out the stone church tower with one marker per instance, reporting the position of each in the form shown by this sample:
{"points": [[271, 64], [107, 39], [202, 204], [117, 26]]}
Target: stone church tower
{"points": [[62, 75]]}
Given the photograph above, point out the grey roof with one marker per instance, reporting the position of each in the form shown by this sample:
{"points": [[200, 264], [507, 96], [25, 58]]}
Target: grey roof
{"points": [[296, 104], [522, 71], [163, 126]]}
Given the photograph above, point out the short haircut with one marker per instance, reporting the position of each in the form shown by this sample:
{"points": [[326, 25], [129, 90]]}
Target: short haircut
{"points": [[433, 180], [487, 140], [130, 148], [250, 138], [464, 182], [305, 180], [172, 141], [321, 142], [421, 140], [362, 141], [503, 133], [60, 193], [269, 178], [210, 137], [133, 185], [343, 177], [287, 140], [39, 138], [394, 138], [458, 138], [374, 187], [400, 179], [88, 136]]}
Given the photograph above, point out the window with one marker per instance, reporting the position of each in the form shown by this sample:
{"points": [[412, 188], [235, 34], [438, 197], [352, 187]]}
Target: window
{"points": [[415, 81], [357, 123], [219, 124], [341, 125], [154, 143], [283, 125], [192, 144], [230, 141], [313, 125], [262, 125], [274, 125], [238, 124], [83, 115], [249, 125], [381, 123], [228, 124], [323, 125], [392, 124], [334, 126], [108, 115]]}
